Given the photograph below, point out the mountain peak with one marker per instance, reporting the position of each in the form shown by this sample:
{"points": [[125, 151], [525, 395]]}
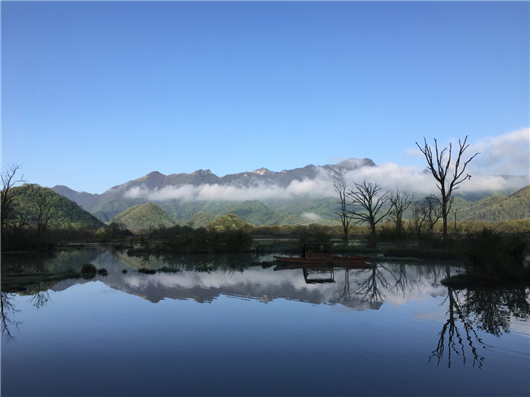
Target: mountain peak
{"points": [[262, 171], [353, 163], [203, 173], [151, 175]]}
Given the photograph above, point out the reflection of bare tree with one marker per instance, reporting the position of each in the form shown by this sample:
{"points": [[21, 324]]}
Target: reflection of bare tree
{"points": [[455, 338], [6, 310], [404, 282], [487, 310], [395, 279], [371, 287], [345, 294], [146, 260], [40, 299]]}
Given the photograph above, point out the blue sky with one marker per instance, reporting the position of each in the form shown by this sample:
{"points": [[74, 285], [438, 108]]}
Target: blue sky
{"points": [[95, 94]]}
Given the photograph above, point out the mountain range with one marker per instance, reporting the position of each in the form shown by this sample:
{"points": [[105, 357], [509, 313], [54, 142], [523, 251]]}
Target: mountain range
{"points": [[170, 193], [261, 197]]}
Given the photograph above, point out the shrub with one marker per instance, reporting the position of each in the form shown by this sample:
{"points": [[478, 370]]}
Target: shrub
{"points": [[88, 268], [103, 272], [490, 252]]}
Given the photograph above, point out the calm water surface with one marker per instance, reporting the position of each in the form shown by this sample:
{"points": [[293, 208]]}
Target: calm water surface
{"points": [[227, 326]]}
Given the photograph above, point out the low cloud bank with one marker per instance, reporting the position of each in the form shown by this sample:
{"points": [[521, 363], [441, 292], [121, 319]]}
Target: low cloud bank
{"points": [[391, 176], [318, 188]]}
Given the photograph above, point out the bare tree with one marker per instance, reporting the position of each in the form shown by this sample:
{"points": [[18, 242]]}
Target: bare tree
{"points": [[342, 212], [8, 182], [447, 180], [44, 203], [417, 221], [400, 202], [367, 206], [432, 210]]}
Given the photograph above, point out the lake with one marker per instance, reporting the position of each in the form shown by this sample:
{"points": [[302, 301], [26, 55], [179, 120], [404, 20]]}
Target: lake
{"points": [[232, 325]]}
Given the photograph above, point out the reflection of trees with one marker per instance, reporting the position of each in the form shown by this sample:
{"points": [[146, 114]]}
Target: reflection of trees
{"points": [[7, 309], [491, 309], [370, 288], [381, 278], [451, 335], [345, 294], [40, 299], [487, 310]]}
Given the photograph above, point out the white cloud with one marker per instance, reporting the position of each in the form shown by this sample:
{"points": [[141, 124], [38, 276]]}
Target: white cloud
{"points": [[391, 176], [507, 154], [413, 152], [311, 216], [319, 187]]}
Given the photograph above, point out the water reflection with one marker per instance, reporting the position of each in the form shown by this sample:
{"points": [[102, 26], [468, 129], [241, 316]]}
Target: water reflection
{"points": [[7, 311], [204, 278], [469, 310]]}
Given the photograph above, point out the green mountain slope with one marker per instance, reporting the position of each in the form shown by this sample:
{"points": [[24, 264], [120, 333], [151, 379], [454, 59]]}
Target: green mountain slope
{"points": [[64, 212], [500, 208], [229, 222], [144, 216], [201, 219], [252, 211]]}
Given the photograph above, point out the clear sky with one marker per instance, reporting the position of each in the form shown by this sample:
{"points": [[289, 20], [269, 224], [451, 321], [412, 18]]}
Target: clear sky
{"points": [[95, 94]]}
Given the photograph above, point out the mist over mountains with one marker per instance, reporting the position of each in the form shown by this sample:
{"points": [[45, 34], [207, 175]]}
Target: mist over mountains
{"points": [[301, 195]]}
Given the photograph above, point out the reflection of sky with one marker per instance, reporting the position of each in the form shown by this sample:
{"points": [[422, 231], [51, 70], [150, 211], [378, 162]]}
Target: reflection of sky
{"points": [[92, 339], [519, 327], [290, 284]]}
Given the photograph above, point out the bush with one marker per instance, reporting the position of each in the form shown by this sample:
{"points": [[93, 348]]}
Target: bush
{"points": [[88, 268], [490, 252]]}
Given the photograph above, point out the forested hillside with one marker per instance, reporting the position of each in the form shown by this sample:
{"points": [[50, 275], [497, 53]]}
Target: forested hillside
{"points": [[62, 212], [144, 216], [499, 208]]}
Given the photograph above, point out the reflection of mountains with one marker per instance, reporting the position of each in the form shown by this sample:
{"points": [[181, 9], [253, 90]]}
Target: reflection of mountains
{"points": [[257, 284], [205, 278]]}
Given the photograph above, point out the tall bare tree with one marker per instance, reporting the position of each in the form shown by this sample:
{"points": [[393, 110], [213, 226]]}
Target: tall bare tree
{"points": [[400, 202], [367, 206], [9, 180], [448, 176], [342, 212]]}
